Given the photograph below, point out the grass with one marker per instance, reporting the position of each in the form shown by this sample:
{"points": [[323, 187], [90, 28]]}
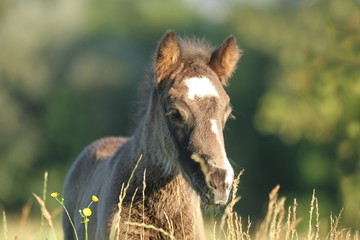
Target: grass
{"points": [[281, 222]]}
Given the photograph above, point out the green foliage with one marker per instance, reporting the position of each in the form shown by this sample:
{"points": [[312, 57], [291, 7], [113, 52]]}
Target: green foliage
{"points": [[317, 92], [314, 95]]}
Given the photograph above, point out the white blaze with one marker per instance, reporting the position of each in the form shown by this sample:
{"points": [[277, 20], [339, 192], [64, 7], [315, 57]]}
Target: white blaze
{"points": [[200, 87], [215, 129], [229, 170]]}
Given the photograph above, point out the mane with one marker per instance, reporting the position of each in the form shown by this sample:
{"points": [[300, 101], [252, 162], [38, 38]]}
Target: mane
{"points": [[191, 47], [144, 91], [195, 47]]}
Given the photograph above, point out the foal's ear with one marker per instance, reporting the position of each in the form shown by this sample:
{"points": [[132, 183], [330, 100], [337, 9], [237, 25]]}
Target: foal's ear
{"points": [[168, 53], [223, 59]]}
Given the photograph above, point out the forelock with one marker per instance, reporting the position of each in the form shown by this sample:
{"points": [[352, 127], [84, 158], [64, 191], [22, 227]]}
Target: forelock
{"points": [[195, 49]]}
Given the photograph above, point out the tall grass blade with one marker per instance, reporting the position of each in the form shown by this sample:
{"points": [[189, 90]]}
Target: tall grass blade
{"points": [[45, 213], [25, 214], [143, 204], [5, 226], [153, 228], [130, 208], [115, 227], [44, 199]]}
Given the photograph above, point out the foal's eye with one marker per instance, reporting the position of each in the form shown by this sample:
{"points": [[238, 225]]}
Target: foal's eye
{"points": [[174, 114]]}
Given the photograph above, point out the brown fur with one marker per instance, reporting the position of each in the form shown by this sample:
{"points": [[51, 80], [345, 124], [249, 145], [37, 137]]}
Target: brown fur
{"points": [[106, 147], [223, 59], [179, 221], [167, 55], [171, 129]]}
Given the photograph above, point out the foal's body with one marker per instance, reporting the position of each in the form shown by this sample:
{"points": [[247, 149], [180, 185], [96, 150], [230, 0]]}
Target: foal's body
{"points": [[178, 121], [170, 197]]}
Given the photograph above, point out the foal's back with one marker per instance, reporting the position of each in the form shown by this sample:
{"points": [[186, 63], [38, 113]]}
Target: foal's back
{"points": [[86, 177]]}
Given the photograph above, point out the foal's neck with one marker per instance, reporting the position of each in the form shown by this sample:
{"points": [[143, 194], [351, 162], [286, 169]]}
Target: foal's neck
{"points": [[175, 208], [152, 139], [169, 198]]}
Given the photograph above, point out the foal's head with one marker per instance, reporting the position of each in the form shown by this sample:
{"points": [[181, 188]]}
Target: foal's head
{"points": [[190, 79]]}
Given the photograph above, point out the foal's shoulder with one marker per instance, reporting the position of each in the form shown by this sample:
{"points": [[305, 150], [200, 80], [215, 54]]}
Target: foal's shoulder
{"points": [[106, 147]]}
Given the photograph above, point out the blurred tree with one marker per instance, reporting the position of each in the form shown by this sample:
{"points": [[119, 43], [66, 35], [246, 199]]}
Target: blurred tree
{"points": [[31, 35], [313, 98], [68, 74]]}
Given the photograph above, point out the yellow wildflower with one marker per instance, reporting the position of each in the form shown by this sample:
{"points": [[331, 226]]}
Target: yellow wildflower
{"points": [[94, 198], [54, 194], [87, 212]]}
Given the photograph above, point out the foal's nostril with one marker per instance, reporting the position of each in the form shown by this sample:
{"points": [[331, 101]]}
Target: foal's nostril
{"points": [[219, 184], [212, 184], [217, 179]]}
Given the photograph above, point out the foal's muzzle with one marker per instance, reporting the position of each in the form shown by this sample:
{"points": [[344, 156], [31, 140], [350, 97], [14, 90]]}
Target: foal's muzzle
{"points": [[218, 180], [220, 183]]}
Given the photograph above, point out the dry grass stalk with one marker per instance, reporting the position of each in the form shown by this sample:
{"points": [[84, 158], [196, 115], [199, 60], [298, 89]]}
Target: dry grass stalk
{"points": [[143, 205], [234, 199], [238, 231], [348, 234], [248, 229], [115, 227], [45, 213], [295, 221], [317, 234], [276, 226], [314, 205], [279, 224], [288, 224], [170, 224], [130, 208], [232, 230], [5, 226], [153, 228], [264, 228], [309, 235], [336, 225], [214, 230], [278, 217], [115, 230], [276, 220], [356, 235], [25, 212], [44, 198], [331, 233], [291, 222]]}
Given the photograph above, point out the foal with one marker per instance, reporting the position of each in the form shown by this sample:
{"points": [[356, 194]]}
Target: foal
{"points": [[181, 141]]}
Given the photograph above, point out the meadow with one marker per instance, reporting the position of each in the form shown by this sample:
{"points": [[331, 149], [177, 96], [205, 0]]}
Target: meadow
{"points": [[69, 74], [281, 221]]}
